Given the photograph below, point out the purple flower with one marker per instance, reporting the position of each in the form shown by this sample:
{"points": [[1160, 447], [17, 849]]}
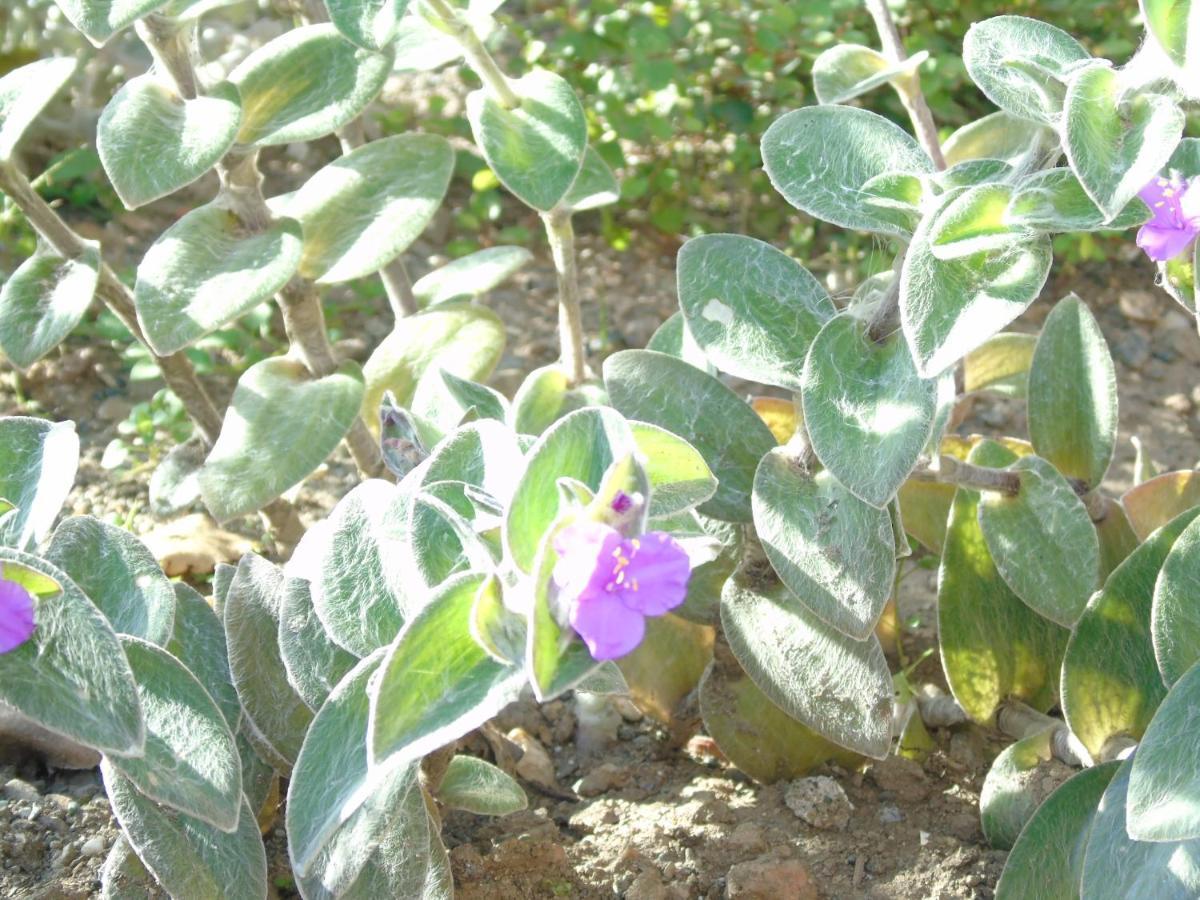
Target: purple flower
{"points": [[16, 615], [1176, 219], [611, 583]]}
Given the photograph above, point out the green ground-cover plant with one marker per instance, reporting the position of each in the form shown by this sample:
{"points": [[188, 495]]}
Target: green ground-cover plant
{"points": [[643, 529]]}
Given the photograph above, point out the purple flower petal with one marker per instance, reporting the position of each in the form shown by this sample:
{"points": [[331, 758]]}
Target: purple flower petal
{"points": [[608, 627], [1162, 244], [655, 579], [581, 547], [16, 615]]}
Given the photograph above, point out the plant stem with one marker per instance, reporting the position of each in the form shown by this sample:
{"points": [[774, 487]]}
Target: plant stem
{"points": [[478, 57], [954, 471], [561, 235], [908, 87], [886, 318], [170, 43]]}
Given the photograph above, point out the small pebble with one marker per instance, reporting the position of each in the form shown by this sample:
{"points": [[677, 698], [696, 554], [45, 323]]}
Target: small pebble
{"points": [[92, 847]]}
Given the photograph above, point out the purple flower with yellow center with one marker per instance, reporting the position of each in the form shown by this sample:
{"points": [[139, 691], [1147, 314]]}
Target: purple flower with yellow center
{"points": [[1176, 221], [610, 583], [16, 615]]}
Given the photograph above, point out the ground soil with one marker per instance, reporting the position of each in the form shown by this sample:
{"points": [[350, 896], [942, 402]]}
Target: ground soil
{"points": [[658, 821]]}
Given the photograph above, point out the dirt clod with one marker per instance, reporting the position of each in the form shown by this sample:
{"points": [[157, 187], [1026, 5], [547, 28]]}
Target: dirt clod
{"points": [[820, 802]]}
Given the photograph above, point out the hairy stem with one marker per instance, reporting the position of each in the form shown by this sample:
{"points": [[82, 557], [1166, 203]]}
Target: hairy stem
{"points": [[908, 87], [478, 58], [886, 318], [170, 43], [561, 235], [954, 471]]}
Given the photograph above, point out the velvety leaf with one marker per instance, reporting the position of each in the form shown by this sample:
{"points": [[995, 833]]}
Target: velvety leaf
{"points": [[470, 276], [364, 209], [368, 23], [835, 552], [71, 676], [1042, 541], [668, 664], [1117, 865], [839, 687], [1022, 65], [1054, 200], [820, 157], [846, 71], [38, 460], [479, 400], [252, 612], [1117, 539], [1000, 366], [1172, 24], [123, 877], [1047, 859], [1110, 680], [26, 90], [153, 142], [485, 454], [274, 401], [1006, 802], [189, 762], [993, 646], [206, 270], [199, 643], [480, 788], [976, 221], [867, 411], [656, 388], [674, 339], [1154, 503], [998, 136], [44, 300], [190, 859], [679, 477], [1175, 618], [1164, 784], [1073, 394], [304, 84], [175, 482], [752, 309], [537, 148], [435, 683], [314, 663], [1117, 143], [595, 186]]}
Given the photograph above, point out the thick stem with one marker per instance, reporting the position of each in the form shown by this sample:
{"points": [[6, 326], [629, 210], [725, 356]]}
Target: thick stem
{"points": [[570, 317], [908, 87], [1019, 721], [241, 188], [304, 322], [170, 44], [176, 368], [886, 318], [478, 58], [954, 471]]}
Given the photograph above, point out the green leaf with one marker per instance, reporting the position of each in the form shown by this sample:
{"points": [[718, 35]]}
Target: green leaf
{"points": [[206, 270], [460, 338], [252, 612], [756, 735], [1110, 680], [123, 876], [71, 676], [1022, 65], [595, 186], [354, 564], [540, 400], [976, 221], [674, 339], [1000, 366], [1042, 541], [1073, 394], [752, 309], [435, 683], [273, 402], [1173, 25], [189, 762], [666, 667], [199, 643], [314, 663], [1164, 782], [868, 413], [836, 553], [496, 629], [998, 136], [471, 396], [847, 71], [153, 142], [304, 84], [950, 307], [371, 24], [820, 157], [190, 859], [1054, 200], [581, 445], [38, 460], [117, 573], [480, 788], [537, 148], [99, 20], [1006, 802], [470, 276], [1118, 865], [26, 91], [994, 647], [484, 454], [1117, 143], [361, 211], [679, 477], [175, 483], [258, 776], [656, 388], [1047, 859], [44, 300], [1175, 618], [837, 686], [1154, 503]]}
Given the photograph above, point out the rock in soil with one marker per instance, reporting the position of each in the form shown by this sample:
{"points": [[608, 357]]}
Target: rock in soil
{"points": [[770, 879], [820, 802]]}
